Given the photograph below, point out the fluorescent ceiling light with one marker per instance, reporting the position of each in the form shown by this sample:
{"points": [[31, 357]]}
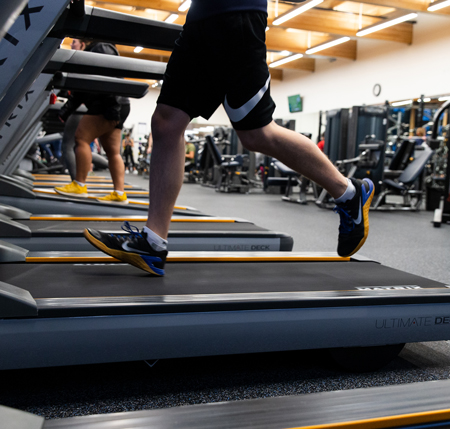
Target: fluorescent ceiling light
{"points": [[444, 98], [386, 24], [327, 45], [171, 18], [402, 103], [285, 53], [425, 100], [297, 11], [138, 49], [438, 5], [286, 60], [185, 6]]}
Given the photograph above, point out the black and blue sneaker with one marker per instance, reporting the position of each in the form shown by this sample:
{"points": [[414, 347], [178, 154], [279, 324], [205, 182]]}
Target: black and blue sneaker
{"points": [[131, 247], [354, 214]]}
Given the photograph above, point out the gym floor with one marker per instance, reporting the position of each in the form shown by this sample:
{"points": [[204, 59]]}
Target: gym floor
{"points": [[402, 240]]}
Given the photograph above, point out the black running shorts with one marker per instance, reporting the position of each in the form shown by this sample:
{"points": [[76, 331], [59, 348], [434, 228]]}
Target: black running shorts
{"points": [[222, 60], [112, 112]]}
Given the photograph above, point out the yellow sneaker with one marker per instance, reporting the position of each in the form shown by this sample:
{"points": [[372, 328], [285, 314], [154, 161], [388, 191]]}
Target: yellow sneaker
{"points": [[73, 190], [115, 198]]}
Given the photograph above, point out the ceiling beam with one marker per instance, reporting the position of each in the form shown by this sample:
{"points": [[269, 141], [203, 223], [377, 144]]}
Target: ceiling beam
{"points": [[306, 64], [408, 5], [347, 24], [278, 39], [276, 74]]}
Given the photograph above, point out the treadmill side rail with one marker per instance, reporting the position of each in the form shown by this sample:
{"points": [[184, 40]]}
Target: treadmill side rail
{"points": [[11, 187], [13, 212], [16, 302], [36, 342], [11, 228]]}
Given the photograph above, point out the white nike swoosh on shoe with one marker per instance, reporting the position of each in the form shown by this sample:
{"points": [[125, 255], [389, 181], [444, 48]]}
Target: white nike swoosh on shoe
{"points": [[359, 218], [240, 113], [131, 249]]}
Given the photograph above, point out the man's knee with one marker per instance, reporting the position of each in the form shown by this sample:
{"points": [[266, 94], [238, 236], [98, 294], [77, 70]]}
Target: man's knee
{"points": [[167, 120], [256, 140]]}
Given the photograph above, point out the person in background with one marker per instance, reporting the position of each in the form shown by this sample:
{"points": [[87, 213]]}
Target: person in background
{"points": [[421, 136], [235, 30], [128, 145], [189, 158], [95, 148], [321, 144], [104, 120], [71, 125]]}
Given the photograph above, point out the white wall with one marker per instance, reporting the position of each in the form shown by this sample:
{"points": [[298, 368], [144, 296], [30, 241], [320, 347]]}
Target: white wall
{"points": [[403, 71]]}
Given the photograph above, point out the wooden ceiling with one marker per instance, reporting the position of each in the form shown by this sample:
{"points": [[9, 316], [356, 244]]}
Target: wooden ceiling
{"points": [[331, 20]]}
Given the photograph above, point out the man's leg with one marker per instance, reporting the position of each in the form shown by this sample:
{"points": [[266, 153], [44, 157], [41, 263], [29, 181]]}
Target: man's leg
{"points": [[353, 197], [147, 249], [166, 165], [298, 153]]}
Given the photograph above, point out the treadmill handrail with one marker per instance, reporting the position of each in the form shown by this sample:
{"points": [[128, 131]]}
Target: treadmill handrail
{"points": [[100, 84], [65, 60], [117, 27]]}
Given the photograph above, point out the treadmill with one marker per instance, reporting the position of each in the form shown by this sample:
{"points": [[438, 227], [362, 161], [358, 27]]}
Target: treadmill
{"points": [[25, 199], [67, 235], [65, 309], [20, 193], [22, 105]]}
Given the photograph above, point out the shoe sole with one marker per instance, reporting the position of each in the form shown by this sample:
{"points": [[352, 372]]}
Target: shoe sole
{"points": [[130, 258], [68, 194], [366, 209]]}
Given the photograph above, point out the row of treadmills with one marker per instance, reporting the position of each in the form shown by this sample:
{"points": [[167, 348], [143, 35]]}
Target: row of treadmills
{"points": [[231, 287]]}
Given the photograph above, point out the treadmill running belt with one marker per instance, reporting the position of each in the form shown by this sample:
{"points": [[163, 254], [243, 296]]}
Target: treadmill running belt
{"points": [[68, 227], [193, 278]]}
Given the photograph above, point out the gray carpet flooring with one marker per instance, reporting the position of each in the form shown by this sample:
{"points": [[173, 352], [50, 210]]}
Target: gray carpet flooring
{"points": [[406, 241]]}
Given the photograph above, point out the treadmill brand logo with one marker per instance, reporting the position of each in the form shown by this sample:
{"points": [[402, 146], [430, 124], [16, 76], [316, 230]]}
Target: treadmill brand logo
{"points": [[26, 13], [241, 247], [410, 322], [14, 114]]}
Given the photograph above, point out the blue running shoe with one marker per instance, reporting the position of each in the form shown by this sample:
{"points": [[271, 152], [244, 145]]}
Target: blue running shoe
{"points": [[131, 247], [354, 214]]}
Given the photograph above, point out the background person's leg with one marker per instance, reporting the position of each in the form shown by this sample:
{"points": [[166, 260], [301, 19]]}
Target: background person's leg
{"points": [[298, 153], [166, 165], [111, 145], [89, 128], [68, 144]]}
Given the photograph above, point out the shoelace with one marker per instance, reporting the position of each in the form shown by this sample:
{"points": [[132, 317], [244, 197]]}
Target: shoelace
{"points": [[131, 230], [347, 224]]}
